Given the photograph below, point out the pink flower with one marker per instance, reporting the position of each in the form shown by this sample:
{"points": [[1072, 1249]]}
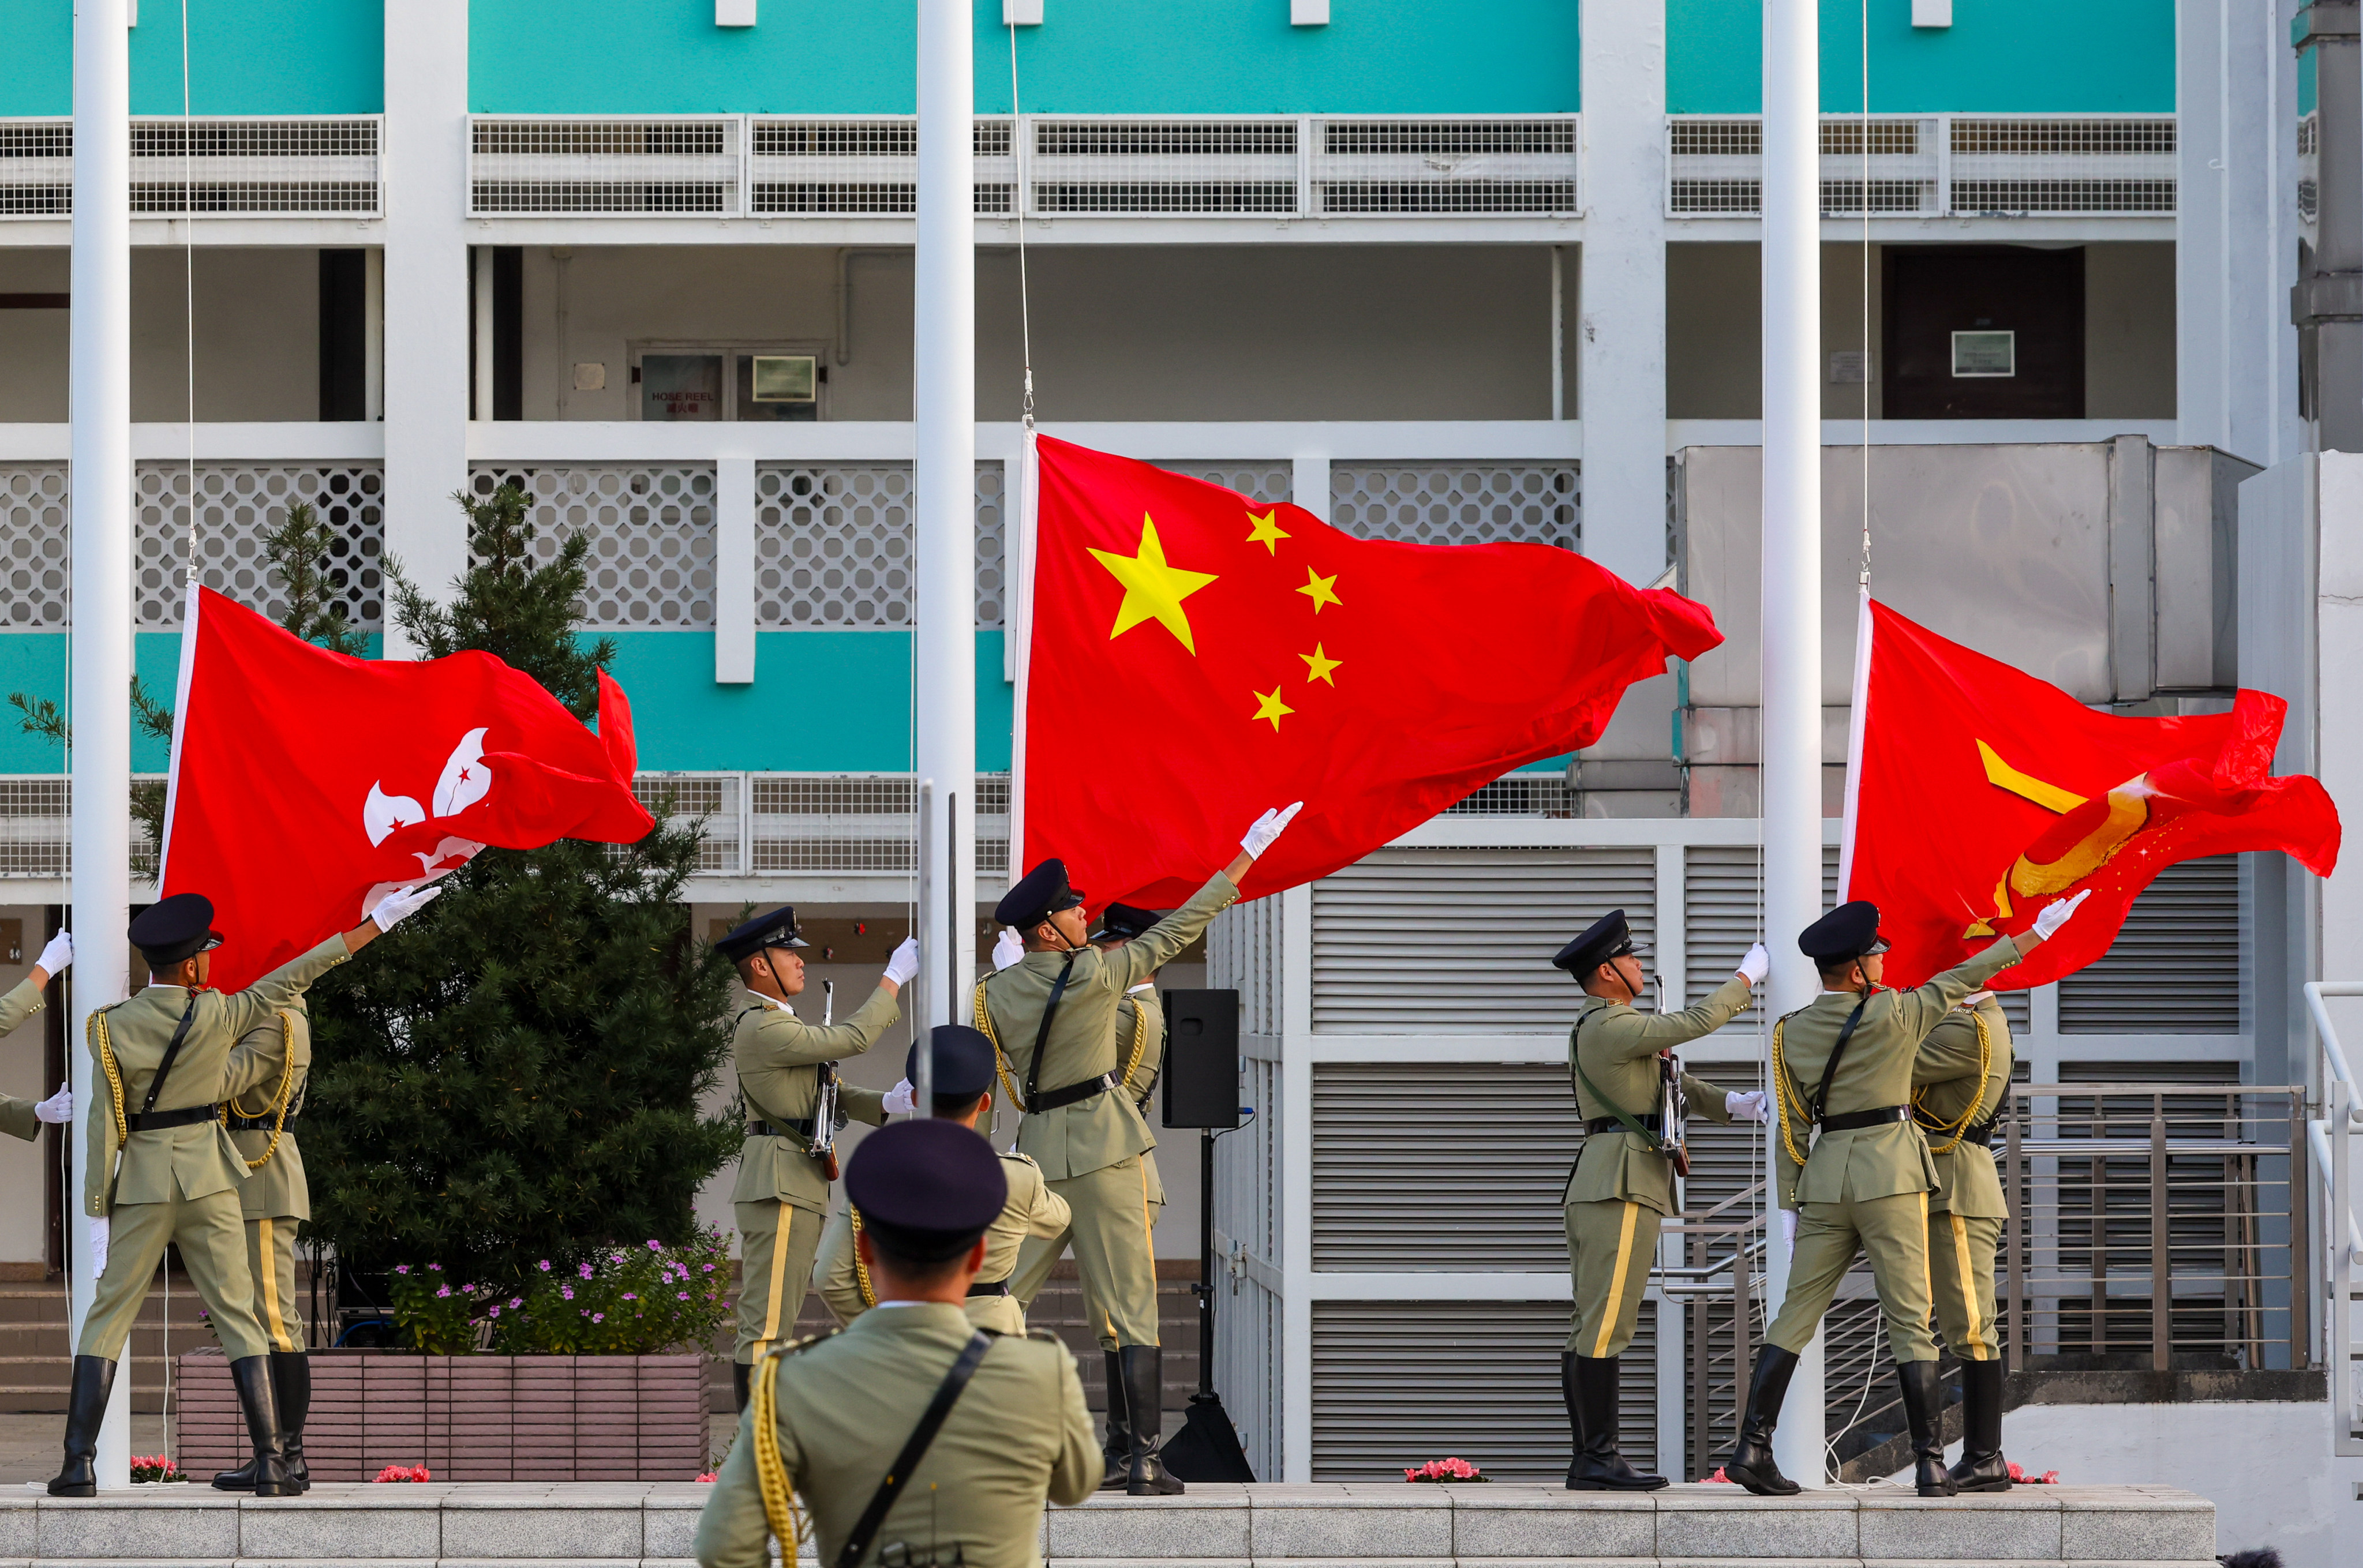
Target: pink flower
{"points": [[442, 1293], [629, 1296], [709, 1476], [496, 1312], [566, 1291], [655, 1246], [709, 1268], [2050, 1478], [584, 1270], [402, 1268], [543, 1266], [434, 1268], [682, 1294], [598, 1317], [516, 1300]]}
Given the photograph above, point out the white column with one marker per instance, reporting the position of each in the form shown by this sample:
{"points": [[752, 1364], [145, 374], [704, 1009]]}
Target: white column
{"points": [[99, 407], [480, 261], [426, 293], [1620, 356], [734, 570], [1792, 590], [944, 483]]}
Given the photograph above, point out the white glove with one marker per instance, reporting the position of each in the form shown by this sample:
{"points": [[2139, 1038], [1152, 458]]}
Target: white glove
{"points": [[1007, 948], [1756, 966], [58, 1108], [904, 962], [1789, 1229], [97, 1247], [1267, 828], [1747, 1106], [57, 953], [901, 1099], [2054, 916], [399, 905]]}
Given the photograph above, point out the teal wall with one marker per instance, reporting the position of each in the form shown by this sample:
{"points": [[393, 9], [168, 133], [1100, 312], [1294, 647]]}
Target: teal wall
{"points": [[2001, 56], [246, 57], [1237, 57]]}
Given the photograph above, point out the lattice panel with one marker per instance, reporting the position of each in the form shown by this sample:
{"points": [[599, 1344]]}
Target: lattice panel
{"points": [[37, 168], [639, 165], [2065, 165], [292, 167], [652, 531], [991, 545], [1143, 167], [864, 167], [239, 506], [1380, 167], [833, 544], [1715, 167], [1460, 503], [36, 587], [1264, 482]]}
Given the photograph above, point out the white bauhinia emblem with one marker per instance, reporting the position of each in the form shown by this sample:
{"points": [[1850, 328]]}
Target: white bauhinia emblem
{"points": [[466, 780], [382, 813]]}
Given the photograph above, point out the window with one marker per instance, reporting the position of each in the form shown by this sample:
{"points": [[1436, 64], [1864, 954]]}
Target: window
{"points": [[731, 382]]}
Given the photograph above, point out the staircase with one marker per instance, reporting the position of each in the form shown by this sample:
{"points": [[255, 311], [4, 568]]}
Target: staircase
{"points": [[36, 1358]]}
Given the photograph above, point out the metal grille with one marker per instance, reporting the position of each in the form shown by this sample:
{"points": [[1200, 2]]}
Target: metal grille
{"points": [[638, 165], [1472, 930], [859, 822], [1460, 503], [707, 800], [36, 816], [1259, 482], [833, 544], [2175, 967], [36, 168], [866, 166], [1138, 167], [237, 505], [1398, 1383], [286, 165], [35, 583], [1446, 166], [2064, 165], [1518, 795], [2309, 166], [652, 531]]}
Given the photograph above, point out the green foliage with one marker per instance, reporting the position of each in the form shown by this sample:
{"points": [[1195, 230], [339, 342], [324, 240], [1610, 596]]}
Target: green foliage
{"points": [[433, 1314], [641, 1300]]}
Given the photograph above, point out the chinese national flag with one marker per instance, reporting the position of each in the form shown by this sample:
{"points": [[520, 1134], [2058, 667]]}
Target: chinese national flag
{"points": [[1979, 794], [306, 786], [1197, 657]]}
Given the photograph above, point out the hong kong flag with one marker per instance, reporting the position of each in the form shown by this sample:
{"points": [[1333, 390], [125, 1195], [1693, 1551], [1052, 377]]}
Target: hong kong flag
{"points": [[306, 786], [1977, 794], [1196, 657]]}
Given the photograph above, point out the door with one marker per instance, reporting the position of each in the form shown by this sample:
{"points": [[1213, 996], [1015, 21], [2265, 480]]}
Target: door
{"points": [[1984, 332]]}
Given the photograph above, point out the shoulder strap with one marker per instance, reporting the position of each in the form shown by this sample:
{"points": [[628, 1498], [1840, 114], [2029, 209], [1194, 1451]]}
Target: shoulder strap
{"points": [[898, 1475], [1830, 1068], [1632, 1125], [1042, 1035], [171, 1050]]}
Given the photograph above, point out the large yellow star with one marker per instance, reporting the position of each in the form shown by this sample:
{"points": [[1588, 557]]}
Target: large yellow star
{"points": [[1267, 531], [1323, 589], [1152, 589], [1270, 706], [1317, 665]]}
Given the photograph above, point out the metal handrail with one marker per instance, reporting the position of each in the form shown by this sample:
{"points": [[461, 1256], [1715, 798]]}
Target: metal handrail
{"points": [[2316, 990]]}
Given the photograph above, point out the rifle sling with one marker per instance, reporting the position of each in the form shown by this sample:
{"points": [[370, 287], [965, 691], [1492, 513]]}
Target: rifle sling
{"points": [[171, 1052], [1830, 1069], [898, 1474], [1042, 1035]]}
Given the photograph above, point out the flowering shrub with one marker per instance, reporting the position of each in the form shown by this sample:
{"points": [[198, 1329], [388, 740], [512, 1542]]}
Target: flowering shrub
{"points": [[1446, 1469], [619, 1301], [154, 1467], [432, 1313], [403, 1473]]}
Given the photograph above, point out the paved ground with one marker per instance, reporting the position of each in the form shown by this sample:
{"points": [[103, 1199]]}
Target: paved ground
{"points": [[29, 1441]]}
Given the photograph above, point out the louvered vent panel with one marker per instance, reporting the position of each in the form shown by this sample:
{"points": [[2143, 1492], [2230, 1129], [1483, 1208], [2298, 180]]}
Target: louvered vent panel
{"points": [[1723, 912], [1398, 1383], [2175, 967], [1459, 941]]}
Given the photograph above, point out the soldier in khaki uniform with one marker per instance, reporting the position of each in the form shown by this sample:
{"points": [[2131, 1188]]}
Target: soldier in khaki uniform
{"points": [[24, 1118], [1961, 1077], [963, 1093], [1624, 1180], [831, 1416], [1843, 1063], [167, 1062], [1086, 1134], [1140, 1041], [782, 1193]]}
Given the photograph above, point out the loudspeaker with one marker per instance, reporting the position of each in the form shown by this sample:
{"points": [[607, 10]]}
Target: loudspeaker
{"points": [[1202, 1058]]}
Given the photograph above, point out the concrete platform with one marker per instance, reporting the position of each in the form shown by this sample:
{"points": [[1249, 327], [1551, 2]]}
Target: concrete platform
{"points": [[651, 1525]]}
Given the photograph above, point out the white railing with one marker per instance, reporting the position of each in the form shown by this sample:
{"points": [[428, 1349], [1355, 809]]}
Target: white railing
{"points": [[217, 166], [818, 825], [2332, 1141]]}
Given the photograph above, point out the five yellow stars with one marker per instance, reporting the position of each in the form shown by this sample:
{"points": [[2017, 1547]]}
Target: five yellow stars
{"points": [[1321, 590], [1152, 589], [1267, 531], [1270, 706], [1317, 665]]}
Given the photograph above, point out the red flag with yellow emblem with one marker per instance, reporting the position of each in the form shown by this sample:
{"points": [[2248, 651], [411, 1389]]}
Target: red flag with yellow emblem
{"points": [[1977, 794], [1196, 657]]}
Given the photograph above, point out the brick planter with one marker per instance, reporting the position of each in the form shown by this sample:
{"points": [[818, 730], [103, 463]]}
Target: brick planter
{"points": [[470, 1418]]}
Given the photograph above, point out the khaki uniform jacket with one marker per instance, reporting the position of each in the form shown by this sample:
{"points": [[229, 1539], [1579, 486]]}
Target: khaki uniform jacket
{"points": [[217, 1060], [1091, 1135], [276, 1190], [17, 1118], [1143, 1051], [1619, 1048], [778, 1057], [846, 1404], [1865, 1162], [1946, 1075], [1033, 1209]]}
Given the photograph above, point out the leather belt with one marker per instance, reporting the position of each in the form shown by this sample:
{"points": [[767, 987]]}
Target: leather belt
{"points": [[1853, 1119], [158, 1121], [998, 1287], [1610, 1124], [800, 1127], [258, 1123], [1051, 1099]]}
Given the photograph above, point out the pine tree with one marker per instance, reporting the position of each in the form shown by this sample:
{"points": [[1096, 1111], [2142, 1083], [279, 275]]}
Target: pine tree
{"points": [[513, 1074]]}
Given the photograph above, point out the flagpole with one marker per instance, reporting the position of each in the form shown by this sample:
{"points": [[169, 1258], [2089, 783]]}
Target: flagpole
{"points": [[99, 691], [944, 487], [1791, 766]]}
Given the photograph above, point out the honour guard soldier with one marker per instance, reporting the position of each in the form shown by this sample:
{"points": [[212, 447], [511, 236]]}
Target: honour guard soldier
{"points": [[787, 1077], [168, 1060], [1620, 1066], [1963, 1078], [963, 1093], [275, 1199], [1843, 1065], [915, 1437], [24, 1118], [1052, 1016]]}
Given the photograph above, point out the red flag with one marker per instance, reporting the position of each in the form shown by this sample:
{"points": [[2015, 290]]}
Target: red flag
{"points": [[1197, 657], [306, 785], [1979, 794]]}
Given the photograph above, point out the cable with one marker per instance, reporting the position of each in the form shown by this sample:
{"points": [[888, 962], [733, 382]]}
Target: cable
{"points": [[1017, 209], [1866, 295]]}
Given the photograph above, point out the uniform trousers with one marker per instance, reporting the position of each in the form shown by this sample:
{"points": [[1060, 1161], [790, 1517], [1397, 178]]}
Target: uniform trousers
{"points": [[1039, 1255], [1895, 1231], [210, 1232], [776, 1243], [1610, 1246], [270, 1260], [1111, 1212], [1961, 1250]]}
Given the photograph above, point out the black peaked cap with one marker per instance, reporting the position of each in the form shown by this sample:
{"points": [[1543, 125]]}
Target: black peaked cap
{"points": [[927, 1189], [1039, 894], [1601, 940], [1846, 933], [963, 1059], [777, 928], [173, 929], [1124, 921]]}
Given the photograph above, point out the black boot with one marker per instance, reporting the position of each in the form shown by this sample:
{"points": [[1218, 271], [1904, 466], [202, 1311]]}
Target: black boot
{"points": [[291, 1389], [1118, 1450], [1750, 1464], [1983, 1467], [268, 1473], [1144, 1408], [1923, 1408], [94, 1380], [739, 1371], [1589, 1384]]}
